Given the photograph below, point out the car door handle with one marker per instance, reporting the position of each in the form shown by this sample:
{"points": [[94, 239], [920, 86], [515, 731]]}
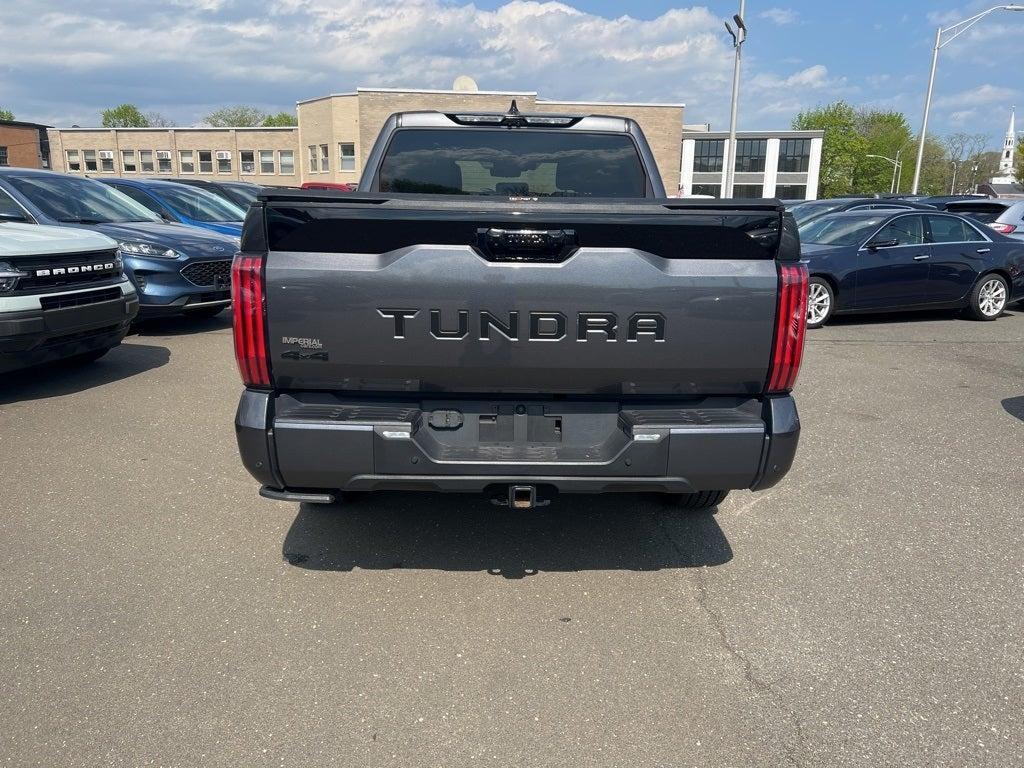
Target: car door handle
{"points": [[984, 250], [921, 257]]}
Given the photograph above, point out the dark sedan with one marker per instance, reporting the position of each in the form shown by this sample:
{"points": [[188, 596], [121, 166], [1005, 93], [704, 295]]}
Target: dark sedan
{"points": [[175, 268], [884, 261], [240, 193], [814, 209]]}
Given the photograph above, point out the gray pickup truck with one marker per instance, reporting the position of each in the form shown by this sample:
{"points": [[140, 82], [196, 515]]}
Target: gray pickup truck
{"points": [[510, 305]]}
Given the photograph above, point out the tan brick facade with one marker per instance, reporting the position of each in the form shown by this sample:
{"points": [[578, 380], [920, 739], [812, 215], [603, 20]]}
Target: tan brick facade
{"points": [[341, 128]]}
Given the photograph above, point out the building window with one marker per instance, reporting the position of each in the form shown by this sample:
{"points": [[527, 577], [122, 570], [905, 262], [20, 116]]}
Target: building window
{"points": [[186, 163], [794, 155], [106, 161], [791, 191], [286, 162], [90, 159], [73, 163], [3, 155], [715, 190], [247, 161], [325, 158], [347, 157], [312, 158], [163, 161], [128, 161], [146, 160], [707, 155], [747, 190], [205, 161], [266, 161], [223, 161], [750, 155]]}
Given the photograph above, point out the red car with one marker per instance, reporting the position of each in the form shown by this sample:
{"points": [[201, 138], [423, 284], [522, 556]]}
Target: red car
{"points": [[341, 186]]}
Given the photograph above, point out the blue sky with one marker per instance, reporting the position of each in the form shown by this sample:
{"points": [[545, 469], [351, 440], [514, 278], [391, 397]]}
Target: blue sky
{"points": [[64, 61]]}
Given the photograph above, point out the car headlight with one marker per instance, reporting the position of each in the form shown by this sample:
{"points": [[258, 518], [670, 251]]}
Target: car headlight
{"points": [[9, 277], [147, 249]]}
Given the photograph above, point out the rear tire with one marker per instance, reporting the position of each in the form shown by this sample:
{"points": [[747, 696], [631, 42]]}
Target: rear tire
{"points": [[821, 302], [701, 501], [989, 297]]}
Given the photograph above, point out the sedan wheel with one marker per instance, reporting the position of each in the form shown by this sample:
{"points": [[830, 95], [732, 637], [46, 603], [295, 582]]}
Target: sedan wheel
{"points": [[820, 302], [988, 299]]}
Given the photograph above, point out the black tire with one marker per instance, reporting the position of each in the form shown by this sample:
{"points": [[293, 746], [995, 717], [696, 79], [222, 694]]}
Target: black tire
{"points": [[821, 289], [701, 501], [205, 313], [984, 293]]}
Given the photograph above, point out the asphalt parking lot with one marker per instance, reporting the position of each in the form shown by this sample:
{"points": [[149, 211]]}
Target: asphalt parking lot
{"points": [[868, 611]]}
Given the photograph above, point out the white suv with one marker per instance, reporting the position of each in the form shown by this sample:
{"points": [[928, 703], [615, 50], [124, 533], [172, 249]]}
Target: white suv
{"points": [[63, 294]]}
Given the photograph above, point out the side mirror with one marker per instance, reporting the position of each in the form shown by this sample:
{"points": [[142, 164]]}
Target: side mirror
{"points": [[874, 245], [12, 216]]}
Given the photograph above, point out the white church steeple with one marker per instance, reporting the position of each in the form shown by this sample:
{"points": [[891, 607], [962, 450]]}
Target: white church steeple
{"points": [[1009, 149]]}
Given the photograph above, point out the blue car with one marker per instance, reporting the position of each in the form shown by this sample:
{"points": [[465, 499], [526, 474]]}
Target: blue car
{"points": [[893, 260], [183, 204], [176, 269]]}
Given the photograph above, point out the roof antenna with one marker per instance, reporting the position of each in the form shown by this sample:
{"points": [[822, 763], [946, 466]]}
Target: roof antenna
{"points": [[513, 110]]}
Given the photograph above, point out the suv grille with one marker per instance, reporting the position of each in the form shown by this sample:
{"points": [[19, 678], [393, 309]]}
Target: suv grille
{"points": [[80, 299], [47, 273], [208, 273]]}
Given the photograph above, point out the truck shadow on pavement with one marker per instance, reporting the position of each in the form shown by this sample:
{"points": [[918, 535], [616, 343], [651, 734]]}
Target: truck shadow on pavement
{"points": [[181, 325], [451, 532], [66, 378], [1014, 406]]}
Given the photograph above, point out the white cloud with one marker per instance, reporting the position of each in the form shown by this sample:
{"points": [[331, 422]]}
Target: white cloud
{"points": [[780, 16], [65, 64], [982, 95]]}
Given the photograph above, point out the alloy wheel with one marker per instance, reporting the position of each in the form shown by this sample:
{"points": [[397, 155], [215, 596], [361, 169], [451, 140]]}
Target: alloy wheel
{"points": [[992, 297], [819, 303]]}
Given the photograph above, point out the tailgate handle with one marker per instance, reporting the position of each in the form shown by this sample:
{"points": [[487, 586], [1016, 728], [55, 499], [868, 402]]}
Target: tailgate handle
{"points": [[544, 245]]}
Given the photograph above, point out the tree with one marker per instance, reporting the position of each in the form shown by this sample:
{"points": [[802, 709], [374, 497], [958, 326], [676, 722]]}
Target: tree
{"points": [[124, 116], [1019, 163], [980, 168], [887, 134], [960, 148], [238, 116], [6, 114], [842, 147], [157, 120], [280, 119]]}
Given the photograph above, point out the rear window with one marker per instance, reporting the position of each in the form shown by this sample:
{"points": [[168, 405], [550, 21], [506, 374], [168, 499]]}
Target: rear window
{"points": [[512, 163], [986, 214]]}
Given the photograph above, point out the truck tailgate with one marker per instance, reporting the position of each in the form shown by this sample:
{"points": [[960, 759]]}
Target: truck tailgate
{"points": [[468, 296]]}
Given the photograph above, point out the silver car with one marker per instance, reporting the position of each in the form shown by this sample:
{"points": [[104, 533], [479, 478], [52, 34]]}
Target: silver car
{"points": [[1004, 215]]}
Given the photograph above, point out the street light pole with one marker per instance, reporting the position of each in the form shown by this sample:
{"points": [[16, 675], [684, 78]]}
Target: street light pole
{"points": [[956, 29], [896, 166], [739, 35]]}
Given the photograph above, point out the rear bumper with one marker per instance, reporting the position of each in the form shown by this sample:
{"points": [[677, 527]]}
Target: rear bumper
{"points": [[33, 335], [316, 443]]}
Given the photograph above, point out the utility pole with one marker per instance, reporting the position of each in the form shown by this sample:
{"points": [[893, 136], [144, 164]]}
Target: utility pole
{"points": [[739, 36]]}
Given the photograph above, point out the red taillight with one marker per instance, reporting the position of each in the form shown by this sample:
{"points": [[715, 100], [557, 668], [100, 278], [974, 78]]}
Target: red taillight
{"points": [[790, 326], [1004, 228], [248, 320]]}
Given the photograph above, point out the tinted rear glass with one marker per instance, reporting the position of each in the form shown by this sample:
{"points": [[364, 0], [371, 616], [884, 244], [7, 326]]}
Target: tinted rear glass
{"points": [[983, 213], [512, 163]]}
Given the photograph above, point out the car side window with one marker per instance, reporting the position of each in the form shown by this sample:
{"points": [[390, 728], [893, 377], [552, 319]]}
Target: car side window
{"points": [[10, 208], [906, 230], [946, 229], [141, 198]]}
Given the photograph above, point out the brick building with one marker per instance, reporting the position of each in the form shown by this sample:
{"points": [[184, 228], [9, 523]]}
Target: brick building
{"points": [[333, 136], [25, 145]]}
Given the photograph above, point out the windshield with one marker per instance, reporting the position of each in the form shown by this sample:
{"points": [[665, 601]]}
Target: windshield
{"points": [[198, 204], [806, 211], [512, 163], [241, 194], [80, 201], [840, 230]]}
